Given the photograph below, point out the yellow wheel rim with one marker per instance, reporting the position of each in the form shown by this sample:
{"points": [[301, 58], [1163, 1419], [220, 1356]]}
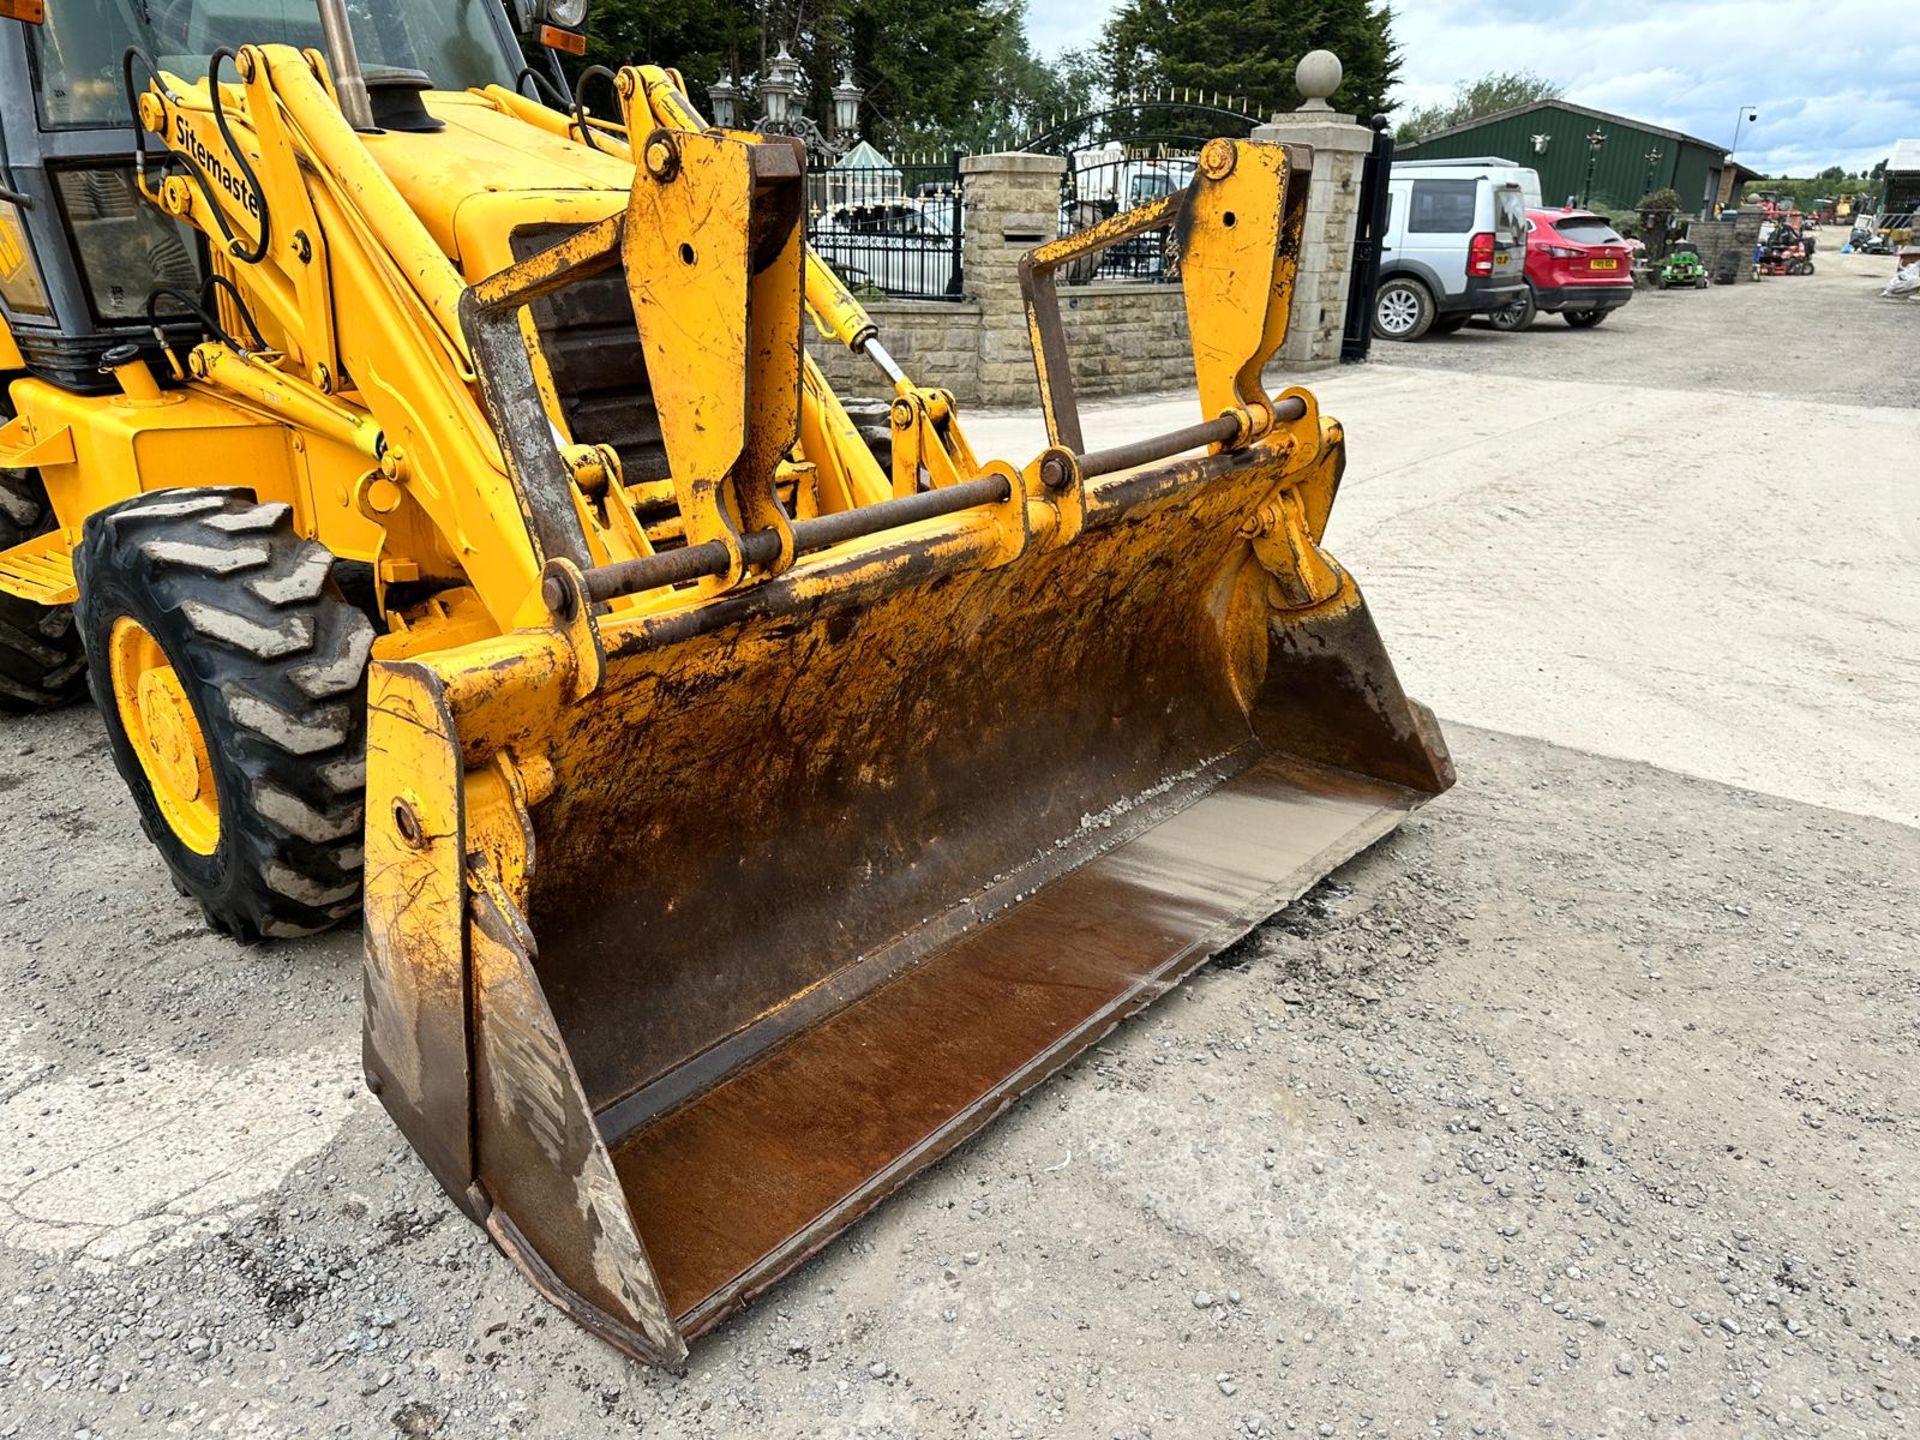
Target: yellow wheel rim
{"points": [[160, 723]]}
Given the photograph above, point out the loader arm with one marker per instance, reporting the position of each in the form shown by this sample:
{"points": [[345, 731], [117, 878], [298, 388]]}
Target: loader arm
{"points": [[360, 305], [927, 432]]}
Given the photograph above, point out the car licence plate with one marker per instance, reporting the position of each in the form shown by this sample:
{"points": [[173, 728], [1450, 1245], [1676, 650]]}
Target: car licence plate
{"points": [[1603, 264]]}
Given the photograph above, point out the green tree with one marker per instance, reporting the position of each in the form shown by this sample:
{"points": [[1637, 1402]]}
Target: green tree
{"points": [[1249, 48], [1475, 99], [1022, 94], [1831, 183], [924, 68]]}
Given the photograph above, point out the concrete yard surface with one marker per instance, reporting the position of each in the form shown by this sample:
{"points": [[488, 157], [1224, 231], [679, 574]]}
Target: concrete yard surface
{"points": [[1586, 1104]]}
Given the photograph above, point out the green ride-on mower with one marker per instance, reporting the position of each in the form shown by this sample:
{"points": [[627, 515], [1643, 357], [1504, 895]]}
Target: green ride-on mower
{"points": [[1683, 269]]}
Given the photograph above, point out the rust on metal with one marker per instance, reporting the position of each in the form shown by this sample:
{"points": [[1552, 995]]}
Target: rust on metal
{"points": [[1223, 431], [1058, 400]]}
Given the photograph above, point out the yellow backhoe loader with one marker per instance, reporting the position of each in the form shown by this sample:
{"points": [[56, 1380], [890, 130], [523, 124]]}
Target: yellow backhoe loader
{"points": [[433, 486]]}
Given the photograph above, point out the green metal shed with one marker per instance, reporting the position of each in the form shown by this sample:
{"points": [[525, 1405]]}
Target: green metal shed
{"points": [[1556, 138]]}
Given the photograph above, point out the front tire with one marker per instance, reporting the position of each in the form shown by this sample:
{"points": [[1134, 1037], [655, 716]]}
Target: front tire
{"points": [[231, 674], [1585, 319], [1403, 310], [41, 663]]}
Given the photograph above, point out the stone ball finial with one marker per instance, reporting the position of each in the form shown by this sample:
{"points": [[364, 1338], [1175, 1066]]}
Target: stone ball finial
{"points": [[1316, 77]]}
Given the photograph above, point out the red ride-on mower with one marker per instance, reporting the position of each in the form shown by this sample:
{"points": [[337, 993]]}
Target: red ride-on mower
{"points": [[1785, 251]]}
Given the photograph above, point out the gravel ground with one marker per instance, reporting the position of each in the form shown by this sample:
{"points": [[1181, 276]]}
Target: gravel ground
{"points": [[1778, 336], [1584, 1105], [1499, 1132]]}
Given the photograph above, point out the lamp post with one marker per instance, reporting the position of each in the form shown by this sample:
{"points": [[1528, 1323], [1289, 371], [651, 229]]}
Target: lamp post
{"points": [[1747, 115], [1653, 169], [846, 109], [783, 99], [1594, 142], [779, 88]]}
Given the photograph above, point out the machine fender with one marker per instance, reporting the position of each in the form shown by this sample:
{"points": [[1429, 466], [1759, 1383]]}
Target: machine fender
{"points": [[23, 448]]}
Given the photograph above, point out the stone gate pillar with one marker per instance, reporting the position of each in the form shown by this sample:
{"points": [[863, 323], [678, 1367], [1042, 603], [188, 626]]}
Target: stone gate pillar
{"points": [[1340, 145], [1012, 204]]}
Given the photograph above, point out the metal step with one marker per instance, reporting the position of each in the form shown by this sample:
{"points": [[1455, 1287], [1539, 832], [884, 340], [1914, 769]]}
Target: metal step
{"points": [[40, 570]]}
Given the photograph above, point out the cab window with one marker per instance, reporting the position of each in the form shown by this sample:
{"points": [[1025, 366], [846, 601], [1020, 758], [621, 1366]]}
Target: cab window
{"points": [[20, 285], [76, 53], [126, 247]]}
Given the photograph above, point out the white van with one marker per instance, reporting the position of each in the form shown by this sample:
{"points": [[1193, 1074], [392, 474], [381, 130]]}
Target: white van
{"points": [[1455, 245]]}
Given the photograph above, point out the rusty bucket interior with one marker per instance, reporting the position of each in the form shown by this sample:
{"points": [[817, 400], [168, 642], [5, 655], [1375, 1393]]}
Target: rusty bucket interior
{"points": [[817, 892]]}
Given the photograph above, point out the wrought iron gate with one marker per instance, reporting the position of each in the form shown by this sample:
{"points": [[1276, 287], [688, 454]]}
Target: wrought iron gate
{"points": [[1369, 234], [890, 228], [1130, 154]]}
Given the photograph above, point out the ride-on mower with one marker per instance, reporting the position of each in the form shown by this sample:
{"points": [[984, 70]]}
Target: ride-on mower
{"points": [[1682, 269]]}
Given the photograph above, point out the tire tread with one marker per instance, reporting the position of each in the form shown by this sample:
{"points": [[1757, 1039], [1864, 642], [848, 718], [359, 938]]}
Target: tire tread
{"points": [[274, 659]]}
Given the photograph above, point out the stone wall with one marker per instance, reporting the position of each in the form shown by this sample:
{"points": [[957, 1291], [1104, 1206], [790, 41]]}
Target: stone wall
{"points": [[1735, 233], [1124, 337], [936, 342]]}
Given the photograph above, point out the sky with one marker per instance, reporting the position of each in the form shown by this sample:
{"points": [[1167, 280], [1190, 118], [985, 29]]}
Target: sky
{"points": [[1836, 82]]}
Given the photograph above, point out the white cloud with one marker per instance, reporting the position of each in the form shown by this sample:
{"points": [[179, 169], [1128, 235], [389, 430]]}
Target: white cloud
{"points": [[1834, 83]]}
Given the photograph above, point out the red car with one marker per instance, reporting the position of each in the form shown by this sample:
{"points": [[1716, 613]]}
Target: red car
{"points": [[1577, 266]]}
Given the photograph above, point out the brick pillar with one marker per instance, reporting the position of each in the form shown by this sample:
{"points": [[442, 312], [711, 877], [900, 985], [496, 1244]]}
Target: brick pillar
{"points": [[1012, 205], [1326, 251]]}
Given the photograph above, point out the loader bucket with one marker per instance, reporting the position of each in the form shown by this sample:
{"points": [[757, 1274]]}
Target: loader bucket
{"points": [[694, 933]]}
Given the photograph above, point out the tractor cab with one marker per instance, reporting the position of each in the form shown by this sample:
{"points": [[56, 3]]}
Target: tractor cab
{"points": [[86, 265]]}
